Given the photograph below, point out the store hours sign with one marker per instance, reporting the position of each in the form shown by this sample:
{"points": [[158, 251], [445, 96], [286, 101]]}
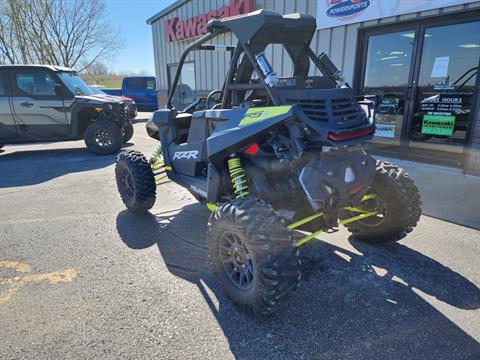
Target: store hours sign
{"points": [[331, 13], [439, 114]]}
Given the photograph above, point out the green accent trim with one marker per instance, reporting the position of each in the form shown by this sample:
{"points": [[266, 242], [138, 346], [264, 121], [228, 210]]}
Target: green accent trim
{"points": [[307, 238], [368, 197], [354, 209], [343, 222], [254, 115], [211, 206], [358, 217], [304, 221]]}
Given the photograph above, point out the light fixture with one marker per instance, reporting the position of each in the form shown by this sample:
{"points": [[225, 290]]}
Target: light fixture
{"points": [[469, 46], [411, 35], [397, 64], [396, 53], [389, 58]]}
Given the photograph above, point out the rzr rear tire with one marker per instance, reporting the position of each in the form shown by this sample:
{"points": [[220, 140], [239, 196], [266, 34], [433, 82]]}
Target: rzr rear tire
{"points": [[270, 248], [135, 181], [103, 137], [401, 202]]}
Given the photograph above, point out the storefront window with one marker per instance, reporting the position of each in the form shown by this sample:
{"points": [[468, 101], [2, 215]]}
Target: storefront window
{"points": [[446, 84], [387, 74], [185, 92], [423, 78]]}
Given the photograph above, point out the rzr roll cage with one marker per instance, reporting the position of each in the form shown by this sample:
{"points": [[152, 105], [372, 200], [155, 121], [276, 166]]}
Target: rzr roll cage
{"points": [[255, 31]]}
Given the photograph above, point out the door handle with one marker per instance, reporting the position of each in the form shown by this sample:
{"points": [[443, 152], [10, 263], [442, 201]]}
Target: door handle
{"points": [[26, 104]]}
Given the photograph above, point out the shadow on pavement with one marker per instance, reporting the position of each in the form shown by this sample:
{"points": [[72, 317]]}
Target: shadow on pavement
{"points": [[23, 168], [348, 305]]}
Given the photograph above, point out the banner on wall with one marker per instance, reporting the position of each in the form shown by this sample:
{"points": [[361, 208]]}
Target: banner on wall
{"points": [[331, 13]]}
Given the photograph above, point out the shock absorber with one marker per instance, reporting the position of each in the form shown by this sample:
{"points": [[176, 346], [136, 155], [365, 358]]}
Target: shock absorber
{"points": [[239, 180]]}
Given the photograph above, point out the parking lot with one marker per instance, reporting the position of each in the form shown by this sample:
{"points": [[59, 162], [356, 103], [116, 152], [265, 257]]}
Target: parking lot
{"points": [[80, 277]]}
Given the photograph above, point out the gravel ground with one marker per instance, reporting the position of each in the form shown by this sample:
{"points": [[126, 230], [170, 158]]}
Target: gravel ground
{"points": [[82, 278]]}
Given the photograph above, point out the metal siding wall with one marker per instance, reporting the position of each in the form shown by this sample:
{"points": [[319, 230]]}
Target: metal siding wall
{"points": [[339, 42]]}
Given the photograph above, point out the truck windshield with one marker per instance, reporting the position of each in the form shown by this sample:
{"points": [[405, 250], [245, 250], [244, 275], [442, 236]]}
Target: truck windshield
{"points": [[97, 91], [75, 83]]}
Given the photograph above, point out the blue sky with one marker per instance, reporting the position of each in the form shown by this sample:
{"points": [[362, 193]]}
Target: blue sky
{"points": [[129, 16]]}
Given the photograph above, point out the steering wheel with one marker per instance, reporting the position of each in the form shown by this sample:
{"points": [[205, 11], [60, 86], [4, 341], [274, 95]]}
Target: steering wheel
{"points": [[212, 94]]}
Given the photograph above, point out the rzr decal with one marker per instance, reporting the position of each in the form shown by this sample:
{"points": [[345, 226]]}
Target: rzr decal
{"points": [[185, 155], [254, 115]]}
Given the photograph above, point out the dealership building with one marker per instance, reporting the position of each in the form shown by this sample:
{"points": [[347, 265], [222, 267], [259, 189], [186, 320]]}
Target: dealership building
{"points": [[419, 58]]}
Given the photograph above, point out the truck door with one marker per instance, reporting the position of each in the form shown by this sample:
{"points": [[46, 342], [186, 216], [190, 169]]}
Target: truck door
{"points": [[38, 111], [8, 129], [142, 90]]}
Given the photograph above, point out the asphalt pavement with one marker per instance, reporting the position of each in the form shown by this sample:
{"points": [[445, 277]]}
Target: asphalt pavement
{"points": [[82, 278]]}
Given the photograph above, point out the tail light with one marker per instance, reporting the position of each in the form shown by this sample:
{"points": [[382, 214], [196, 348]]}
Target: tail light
{"points": [[350, 134]]}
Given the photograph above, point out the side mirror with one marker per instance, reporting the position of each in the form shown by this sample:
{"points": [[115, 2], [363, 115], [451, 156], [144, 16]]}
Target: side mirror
{"points": [[59, 91]]}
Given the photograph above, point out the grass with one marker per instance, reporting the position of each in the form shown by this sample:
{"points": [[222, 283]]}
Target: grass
{"points": [[103, 81]]}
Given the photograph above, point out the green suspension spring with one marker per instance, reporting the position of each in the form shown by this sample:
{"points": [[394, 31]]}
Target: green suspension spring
{"points": [[157, 155], [156, 161], [237, 174]]}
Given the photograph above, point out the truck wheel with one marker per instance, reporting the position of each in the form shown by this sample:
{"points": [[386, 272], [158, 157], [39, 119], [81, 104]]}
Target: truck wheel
{"points": [[127, 131], [396, 199], [253, 254], [103, 137], [135, 181]]}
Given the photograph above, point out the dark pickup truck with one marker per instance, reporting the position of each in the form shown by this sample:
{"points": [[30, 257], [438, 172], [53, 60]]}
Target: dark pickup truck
{"points": [[141, 89], [52, 103]]}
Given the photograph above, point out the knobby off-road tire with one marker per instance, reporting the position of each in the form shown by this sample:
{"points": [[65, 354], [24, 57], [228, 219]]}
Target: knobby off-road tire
{"points": [[269, 249], [127, 131], [103, 137], [398, 197], [135, 181]]}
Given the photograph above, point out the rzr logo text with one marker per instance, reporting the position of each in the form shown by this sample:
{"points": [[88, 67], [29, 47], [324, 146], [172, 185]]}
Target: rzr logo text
{"points": [[255, 114], [185, 155]]}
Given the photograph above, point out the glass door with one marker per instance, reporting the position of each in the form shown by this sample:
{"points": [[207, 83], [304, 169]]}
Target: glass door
{"points": [[185, 92], [388, 75], [445, 78]]}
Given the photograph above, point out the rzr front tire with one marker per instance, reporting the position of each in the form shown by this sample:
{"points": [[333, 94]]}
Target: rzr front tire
{"points": [[398, 200], [135, 181], [253, 255]]}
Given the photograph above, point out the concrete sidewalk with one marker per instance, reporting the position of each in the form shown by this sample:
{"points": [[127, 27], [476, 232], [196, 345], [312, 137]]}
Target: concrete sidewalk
{"points": [[447, 193], [142, 117]]}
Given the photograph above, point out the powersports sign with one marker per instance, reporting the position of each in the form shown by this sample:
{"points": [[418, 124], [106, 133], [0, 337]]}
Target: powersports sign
{"points": [[331, 13], [177, 29]]}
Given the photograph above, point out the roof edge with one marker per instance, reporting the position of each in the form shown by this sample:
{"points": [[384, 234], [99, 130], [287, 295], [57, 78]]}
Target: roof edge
{"points": [[165, 11]]}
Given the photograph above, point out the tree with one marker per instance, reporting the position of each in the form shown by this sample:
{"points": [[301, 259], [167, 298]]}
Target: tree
{"points": [[60, 32], [96, 68]]}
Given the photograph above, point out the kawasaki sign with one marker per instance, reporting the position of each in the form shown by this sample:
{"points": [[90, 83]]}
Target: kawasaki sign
{"points": [[177, 29]]}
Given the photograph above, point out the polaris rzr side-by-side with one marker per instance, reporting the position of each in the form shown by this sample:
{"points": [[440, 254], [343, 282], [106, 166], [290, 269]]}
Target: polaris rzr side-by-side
{"points": [[272, 158]]}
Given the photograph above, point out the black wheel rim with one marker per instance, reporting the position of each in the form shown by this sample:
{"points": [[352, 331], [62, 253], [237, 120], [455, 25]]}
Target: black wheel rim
{"points": [[237, 261], [127, 183], [377, 204], [103, 137]]}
